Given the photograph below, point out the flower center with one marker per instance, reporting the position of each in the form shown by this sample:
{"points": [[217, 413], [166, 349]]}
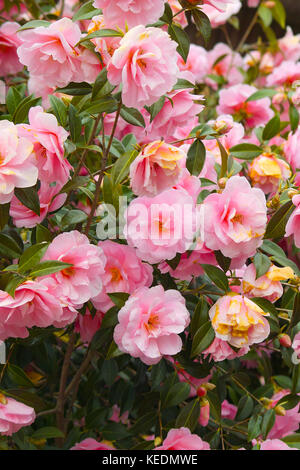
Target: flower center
{"points": [[116, 275], [153, 322]]}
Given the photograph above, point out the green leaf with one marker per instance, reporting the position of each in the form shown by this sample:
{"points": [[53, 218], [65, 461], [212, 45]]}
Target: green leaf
{"points": [[119, 298], [217, 276], [277, 223], [254, 427], [47, 432], [86, 12], [292, 440], [74, 183], [272, 248], [189, 415], [223, 261], [32, 256], [43, 234], [76, 89], [73, 217], [265, 15], [296, 311], [262, 264], [202, 23], [48, 267], [245, 407], [224, 158], [246, 151], [4, 215], [200, 316], [268, 422], [102, 33], [13, 98], [59, 110], [294, 117], [103, 105], [100, 81], [9, 247], [202, 339], [29, 198], [168, 14], [196, 157], [272, 128], [34, 24], [120, 169], [156, 107], [182, 39], [133, 116], [215, 405], [21, 111], [115, 431], [279, 13], [289, 401], [176, 394], [18, 376], [264, 93], [183, 84], [74, 124]]}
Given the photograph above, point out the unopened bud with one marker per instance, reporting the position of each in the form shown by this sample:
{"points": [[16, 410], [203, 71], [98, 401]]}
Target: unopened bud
{"points": [[221, 126], [279, 410], [157, 441], [269, 4], [208, 386], [285, 340], [266, 402], [292, 193], [3, 399], [201, 392], [222, 183]]}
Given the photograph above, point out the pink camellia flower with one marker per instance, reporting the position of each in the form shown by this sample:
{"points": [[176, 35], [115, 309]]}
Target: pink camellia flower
{"points": [[275, 444], [162, 226], [267, 286], [14, 415], [9, 42], [266, 172], [48, 139], [50, 201], [253, 3], [180, 108], [235, 220], [218, 4], [220, 350], [218, 16], [204, 413], [291, 150], [156, 168], [87, 325], [50, 52], [228, 410], [132, 12], [180, 18], [150, 323], [224, 62], [296, 348], [189, 265], [146, 65], [10, 10], [183, 439], [289, 45], [105, 46], [91, 444], [196, 66], [233, 101], [239, 321], [123, 272], [287, 424], [17, 169], [34, 304], [293, 225], [286, 74], [81, 281], [189, 183], [232, 134]]}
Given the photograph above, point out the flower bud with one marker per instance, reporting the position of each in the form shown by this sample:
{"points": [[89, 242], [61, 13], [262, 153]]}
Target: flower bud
{"points": [[292, 193], [201, 392], [269, 4], [285, 340], [222, 183], [157, 441], [279, 410], [3, 399], [208, 386]]}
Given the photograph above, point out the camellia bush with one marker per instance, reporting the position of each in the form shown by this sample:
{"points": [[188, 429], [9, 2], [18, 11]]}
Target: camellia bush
{"points": [[150, 227]]}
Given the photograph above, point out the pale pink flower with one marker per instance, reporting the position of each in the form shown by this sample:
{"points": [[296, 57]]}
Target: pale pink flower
{"points": [[162, 226], [41, 89], [293, 225], [196, 66], [14, 11], [209, 171], [289, 45], [227, 67], [204, 413], [287, 424], [235, 220], [105, 46], [33, 305], [286, 74], [130, 12], [266, 172], [156, 168], [233, 134], [254, 113], [9, 42], [17, 169], [189, 265], [220, 350], [50, 201], [150, 323], [81, 281], [220, 5], [267, 286], [14, 416], [296, 348], [91, 444], [291, 150], [179, 110], [123, 272], [189, 183], [180, 18], [253, 3], [239, 321], [218, 16], [228, 411], [50, 52], [87, 325], [146, 65], [183, 439], [275, 444], [48, 139], [296, 97]]}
